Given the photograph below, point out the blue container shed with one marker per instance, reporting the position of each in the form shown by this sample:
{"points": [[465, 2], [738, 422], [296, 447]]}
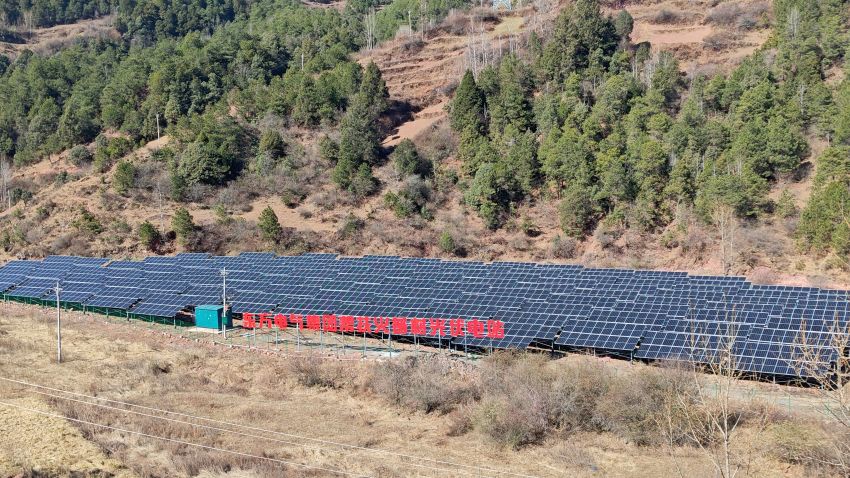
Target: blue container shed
{"points": [[211, 316]]}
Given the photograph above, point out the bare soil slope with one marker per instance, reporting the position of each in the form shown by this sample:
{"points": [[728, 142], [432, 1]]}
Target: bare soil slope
{"points": [[49, 39]]}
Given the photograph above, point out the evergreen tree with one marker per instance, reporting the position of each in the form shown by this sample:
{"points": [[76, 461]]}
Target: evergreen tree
{"points": [[520, 159], [580, 30], [467, 107], [269, 225], [183, 224], [568, 158], [624, 24], [374, 90], [149, 236], [124, 177], [576, 210], [512, 106], [407, 160], [358, 142]]}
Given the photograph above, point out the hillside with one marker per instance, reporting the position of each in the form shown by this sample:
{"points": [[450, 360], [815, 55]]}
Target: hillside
{"points": [[421, 72]]}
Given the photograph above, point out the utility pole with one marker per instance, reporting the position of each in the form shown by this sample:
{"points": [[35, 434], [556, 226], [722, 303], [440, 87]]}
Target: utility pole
{"points": [[57, 289], [159, 199], [224, 302]]}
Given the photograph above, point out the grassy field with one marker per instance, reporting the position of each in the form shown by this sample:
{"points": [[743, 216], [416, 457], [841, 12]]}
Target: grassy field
{"points": [[283, 404]]}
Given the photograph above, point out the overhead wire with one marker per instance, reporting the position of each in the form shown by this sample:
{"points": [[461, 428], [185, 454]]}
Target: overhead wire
{"points": [[183, 442], [224, 430], [471, 468]]}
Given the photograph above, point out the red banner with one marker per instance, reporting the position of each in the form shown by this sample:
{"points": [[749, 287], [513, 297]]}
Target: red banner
{"points": [[424, 327]]}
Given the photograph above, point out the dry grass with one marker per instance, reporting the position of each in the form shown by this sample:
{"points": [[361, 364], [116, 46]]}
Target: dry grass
{"points": [[512, 412]]}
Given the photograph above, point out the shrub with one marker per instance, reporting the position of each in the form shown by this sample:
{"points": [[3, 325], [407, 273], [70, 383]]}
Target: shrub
{"points": [[79, 155], [20, 194], [425, 384], [407, 160], [649, 407], [124, 177], [529, 228], [43, 212], [351, 227], [411, 199], [563, 247], [800, 444], [447, 243], [670, 239], [62, 178], [724, 14], [720, 40], [311, 373], [108, 150], [87, 222], [575, 392], [666, 16], [149, 236], [517, 404], [222, 215], [785, 206]]}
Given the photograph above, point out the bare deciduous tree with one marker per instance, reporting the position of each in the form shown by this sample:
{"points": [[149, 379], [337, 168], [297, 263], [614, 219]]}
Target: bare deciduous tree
{"points": [[5, 179], [708, 412], [711, 419], [369, 23], [822, 353], [723, 217]]}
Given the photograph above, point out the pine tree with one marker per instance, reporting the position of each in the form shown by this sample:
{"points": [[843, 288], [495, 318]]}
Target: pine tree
{"points": [[374, 89], [580, 29], [183, 224], [512, 106], [124, 177], [358, 144], [269, 225], [467, 108], [576, 210], [624, 24]]}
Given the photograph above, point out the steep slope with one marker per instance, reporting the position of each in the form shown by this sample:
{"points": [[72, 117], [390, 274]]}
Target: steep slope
{"points": [[422, 74], [44, 40]]}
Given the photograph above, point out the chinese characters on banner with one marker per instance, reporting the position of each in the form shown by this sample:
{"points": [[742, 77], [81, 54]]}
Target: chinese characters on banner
{"points": [[430, 327]]}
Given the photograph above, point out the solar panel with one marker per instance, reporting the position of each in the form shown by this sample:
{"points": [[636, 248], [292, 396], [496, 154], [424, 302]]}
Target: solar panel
{"points": [[655, 315]]}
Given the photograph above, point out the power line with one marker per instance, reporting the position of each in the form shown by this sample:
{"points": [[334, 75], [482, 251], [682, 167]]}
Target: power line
{"points": [[247, 435], [274, 432], [157, 437]]}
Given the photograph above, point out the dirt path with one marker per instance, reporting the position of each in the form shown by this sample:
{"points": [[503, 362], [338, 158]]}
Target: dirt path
{"points": [[419, 124]]}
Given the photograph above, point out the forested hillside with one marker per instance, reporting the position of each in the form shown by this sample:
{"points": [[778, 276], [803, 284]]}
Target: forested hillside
{"points": [[227, 126]]}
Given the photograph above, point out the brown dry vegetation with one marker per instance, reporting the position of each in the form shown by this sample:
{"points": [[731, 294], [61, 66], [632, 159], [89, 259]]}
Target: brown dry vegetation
{"points": [[51, 39], [526, 414], [422, 73]]}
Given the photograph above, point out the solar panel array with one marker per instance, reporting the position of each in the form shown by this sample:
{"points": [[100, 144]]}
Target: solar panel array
{"points": [[649, 315]]}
